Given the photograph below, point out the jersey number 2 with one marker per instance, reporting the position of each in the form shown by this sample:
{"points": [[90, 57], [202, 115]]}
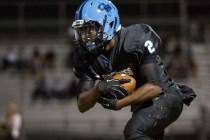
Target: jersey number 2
{"points": [[149, 46]]}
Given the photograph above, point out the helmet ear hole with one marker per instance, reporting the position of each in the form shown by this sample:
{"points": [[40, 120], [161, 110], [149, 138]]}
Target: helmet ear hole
{"points": [[111, 24]]}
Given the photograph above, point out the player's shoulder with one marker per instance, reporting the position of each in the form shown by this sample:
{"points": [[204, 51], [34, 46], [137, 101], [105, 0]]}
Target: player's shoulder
{"points": [[138, 28], [136, 35]]}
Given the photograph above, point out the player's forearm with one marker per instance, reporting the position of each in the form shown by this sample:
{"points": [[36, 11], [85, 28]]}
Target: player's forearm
{"points": [[88, 99], [141, 95]]}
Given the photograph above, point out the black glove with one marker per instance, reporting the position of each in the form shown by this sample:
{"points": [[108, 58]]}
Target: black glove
{"points": [[108, 103], [111, 88]]}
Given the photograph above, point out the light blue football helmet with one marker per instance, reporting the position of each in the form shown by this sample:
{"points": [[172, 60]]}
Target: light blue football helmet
{"points": [[96, 21]]}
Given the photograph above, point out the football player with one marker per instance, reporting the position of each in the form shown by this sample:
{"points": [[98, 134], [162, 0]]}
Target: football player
{"points": [[103, 48]]}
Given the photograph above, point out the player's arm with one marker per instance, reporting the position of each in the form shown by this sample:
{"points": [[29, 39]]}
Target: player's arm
{"points": [[141, 95], [88, 95], [149, 90], [87, 92]]}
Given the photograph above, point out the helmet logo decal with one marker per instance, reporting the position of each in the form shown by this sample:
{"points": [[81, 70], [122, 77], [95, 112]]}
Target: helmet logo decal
{"points": [[105, 7]]}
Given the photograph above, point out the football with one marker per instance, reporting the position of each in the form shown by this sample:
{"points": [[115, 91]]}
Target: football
{"points": [[128, 86]]}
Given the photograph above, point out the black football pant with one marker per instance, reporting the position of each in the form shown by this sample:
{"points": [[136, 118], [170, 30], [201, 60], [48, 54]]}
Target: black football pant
{"points": [[149, 121]]}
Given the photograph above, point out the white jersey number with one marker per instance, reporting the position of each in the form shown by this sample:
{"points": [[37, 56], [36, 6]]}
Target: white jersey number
{"points": [[149, 46]]}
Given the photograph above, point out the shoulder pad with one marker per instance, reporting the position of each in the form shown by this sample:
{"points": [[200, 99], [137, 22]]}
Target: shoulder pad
{"points": [[136, 36]]}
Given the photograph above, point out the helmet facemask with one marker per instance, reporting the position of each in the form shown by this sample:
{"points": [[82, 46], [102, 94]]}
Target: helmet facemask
{"points": [[90, 35]]}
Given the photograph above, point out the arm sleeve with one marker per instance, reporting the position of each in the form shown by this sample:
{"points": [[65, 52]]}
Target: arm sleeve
{"points": [[85, 82], [150, 73], [84, 85]]}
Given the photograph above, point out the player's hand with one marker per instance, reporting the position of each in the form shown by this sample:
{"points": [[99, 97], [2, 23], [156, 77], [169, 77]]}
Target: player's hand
{"points": [[109, 103], [112, 88]]}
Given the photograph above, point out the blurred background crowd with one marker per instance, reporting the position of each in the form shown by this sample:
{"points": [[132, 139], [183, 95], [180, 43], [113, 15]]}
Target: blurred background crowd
{"points": [[36, 75]]}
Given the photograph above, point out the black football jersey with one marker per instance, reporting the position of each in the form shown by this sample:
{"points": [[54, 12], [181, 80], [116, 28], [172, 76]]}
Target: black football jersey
{"points": [[134, 53]]}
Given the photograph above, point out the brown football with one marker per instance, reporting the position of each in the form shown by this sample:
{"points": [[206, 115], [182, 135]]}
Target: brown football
{"points": [[130, 86]]}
